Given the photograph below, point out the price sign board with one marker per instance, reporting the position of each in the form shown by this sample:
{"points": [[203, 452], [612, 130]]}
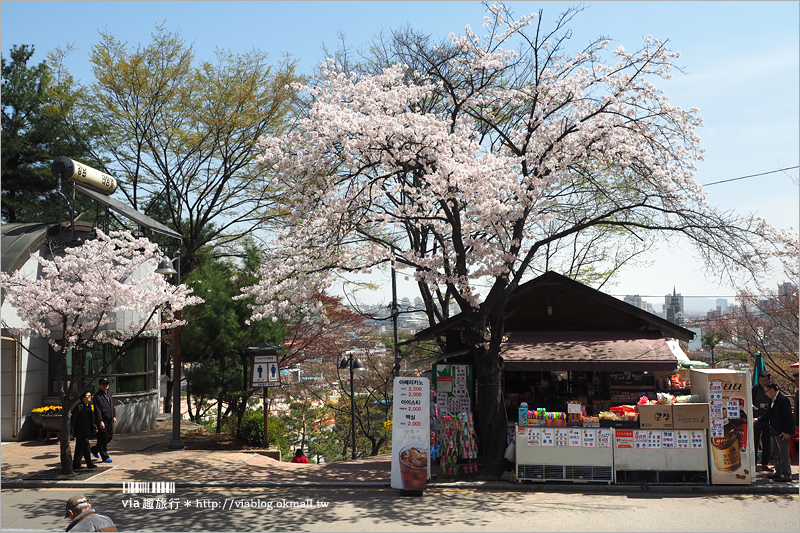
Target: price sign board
{"points": [[411, 433]]}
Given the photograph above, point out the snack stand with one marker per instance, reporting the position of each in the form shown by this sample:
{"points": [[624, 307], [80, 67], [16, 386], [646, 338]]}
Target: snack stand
{"points": [[583, 356]]}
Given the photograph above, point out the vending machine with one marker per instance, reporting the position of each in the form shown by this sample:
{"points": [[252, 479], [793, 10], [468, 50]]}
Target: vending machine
{"points": [[730, 433]]}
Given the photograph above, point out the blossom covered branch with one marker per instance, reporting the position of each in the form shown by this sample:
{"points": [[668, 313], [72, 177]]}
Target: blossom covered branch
{"points": [[82, 295]]}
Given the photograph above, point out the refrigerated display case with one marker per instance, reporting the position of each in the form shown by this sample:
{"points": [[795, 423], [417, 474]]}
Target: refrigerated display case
{"points": [[565, 454], [730, 432], [661, 455]]}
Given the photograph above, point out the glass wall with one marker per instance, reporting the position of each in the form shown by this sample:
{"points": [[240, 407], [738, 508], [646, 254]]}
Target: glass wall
{"points": [[133, 371]]}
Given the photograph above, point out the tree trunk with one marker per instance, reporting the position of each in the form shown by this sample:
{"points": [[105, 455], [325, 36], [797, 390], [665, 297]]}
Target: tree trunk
{"points": [[490, 415], [168, 398], [66, 453], [219, 414]]}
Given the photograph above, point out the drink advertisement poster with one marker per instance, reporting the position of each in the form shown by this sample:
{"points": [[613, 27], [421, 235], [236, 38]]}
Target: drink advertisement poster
{"points": [[730, 429], [411, 433]]}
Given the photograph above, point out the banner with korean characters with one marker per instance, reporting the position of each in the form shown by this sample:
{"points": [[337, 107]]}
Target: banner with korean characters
{"points": [[411, 434]]}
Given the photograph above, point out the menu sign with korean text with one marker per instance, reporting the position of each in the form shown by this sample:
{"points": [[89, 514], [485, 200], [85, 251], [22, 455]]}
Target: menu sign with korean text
{"points": [[411, 433]]}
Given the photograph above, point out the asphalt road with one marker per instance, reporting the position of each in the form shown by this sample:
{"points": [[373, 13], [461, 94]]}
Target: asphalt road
{"points": [[384, 510]]}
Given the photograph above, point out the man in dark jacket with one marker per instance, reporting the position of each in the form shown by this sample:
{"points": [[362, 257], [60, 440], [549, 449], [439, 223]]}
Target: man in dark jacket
{"points": [[104, 418], [84, 518], [781, 424], [83, 429], [761, 413]]}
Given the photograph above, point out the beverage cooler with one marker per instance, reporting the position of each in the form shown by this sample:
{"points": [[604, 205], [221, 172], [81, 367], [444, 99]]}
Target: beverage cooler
{"points": [[576, 454], [665, 455], [730, 432]]}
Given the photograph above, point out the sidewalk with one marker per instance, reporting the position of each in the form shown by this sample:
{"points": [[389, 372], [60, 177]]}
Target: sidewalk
{"points": [[145, 456]]}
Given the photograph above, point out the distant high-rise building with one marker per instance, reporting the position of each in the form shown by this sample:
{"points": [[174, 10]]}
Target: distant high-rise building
{"points": [[673, 307], [638, 302], [787, 288], [634, 300], [722, 305]]}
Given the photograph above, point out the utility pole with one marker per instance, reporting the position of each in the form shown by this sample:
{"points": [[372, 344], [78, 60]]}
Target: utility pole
{"points": [[394, 322]]}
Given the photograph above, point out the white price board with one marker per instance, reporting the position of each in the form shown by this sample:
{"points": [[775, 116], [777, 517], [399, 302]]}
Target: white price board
{"points": [[534, 437]]}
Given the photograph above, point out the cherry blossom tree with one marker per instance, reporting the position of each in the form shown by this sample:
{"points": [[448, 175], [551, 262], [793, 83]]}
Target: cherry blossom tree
{"points": [[469, 162], [101, 291]]}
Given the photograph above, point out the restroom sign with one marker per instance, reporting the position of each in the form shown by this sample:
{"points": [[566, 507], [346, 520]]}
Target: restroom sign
{"points": [[265, 371]]}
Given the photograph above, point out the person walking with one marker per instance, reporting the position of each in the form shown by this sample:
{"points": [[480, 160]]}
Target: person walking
{"points": [[83, 518], [781, 425], [82, 428], [761, 430], [105, 419]]}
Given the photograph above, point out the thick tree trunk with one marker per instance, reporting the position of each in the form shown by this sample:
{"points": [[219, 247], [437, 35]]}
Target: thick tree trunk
{"points": [[490, 415], [66, 453]]}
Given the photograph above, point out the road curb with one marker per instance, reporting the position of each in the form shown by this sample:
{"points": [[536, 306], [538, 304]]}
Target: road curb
{"points": [[772, 489]]}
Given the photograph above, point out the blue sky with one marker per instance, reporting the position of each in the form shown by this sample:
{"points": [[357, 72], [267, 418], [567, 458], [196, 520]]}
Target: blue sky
{"points": [[741, 59]]}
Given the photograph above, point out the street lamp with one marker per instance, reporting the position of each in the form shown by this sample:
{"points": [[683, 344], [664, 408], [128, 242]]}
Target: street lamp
{"points": [[166, 269], [352, 364]]}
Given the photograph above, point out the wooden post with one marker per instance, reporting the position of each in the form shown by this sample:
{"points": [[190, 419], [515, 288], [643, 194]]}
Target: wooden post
{"points": [[266, 418]]}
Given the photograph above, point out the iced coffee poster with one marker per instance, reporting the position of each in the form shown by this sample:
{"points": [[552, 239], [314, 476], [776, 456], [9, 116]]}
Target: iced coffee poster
{"points": [[411, 434]]}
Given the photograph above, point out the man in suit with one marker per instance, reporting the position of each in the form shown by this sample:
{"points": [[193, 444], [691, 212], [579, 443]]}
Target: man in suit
{"points": [[761, 412], [781, 424]]}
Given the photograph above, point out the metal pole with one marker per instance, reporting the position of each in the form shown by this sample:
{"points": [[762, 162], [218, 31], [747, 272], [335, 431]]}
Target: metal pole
{"points": [[352, 406], [394, 323], [176, 443]]}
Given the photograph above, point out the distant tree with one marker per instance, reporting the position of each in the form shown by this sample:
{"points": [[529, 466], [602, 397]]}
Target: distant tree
{"points": [[466, 161], [767, 319], [765, 322], [709, 340], [34, 134], [77, 299]]}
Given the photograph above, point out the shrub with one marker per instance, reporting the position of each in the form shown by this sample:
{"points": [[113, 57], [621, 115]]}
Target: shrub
{"points": [[252, 431]]}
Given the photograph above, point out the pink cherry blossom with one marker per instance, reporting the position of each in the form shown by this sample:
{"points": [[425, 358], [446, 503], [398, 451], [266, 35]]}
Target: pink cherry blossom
{"points": [[105, 290]]}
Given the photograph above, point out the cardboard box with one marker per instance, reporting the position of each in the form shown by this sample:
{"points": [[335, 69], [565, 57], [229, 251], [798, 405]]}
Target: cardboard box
{"points": [[655, 416], [690, 415]]}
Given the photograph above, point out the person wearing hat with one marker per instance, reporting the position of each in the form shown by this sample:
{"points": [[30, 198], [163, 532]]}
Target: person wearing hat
{"points": [[82, 428], [105, 418], [84, 518]]}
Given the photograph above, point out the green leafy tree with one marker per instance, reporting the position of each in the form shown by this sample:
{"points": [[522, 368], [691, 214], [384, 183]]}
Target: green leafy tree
{"points": [[182, 135], [34, 134], [216, 339]]}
